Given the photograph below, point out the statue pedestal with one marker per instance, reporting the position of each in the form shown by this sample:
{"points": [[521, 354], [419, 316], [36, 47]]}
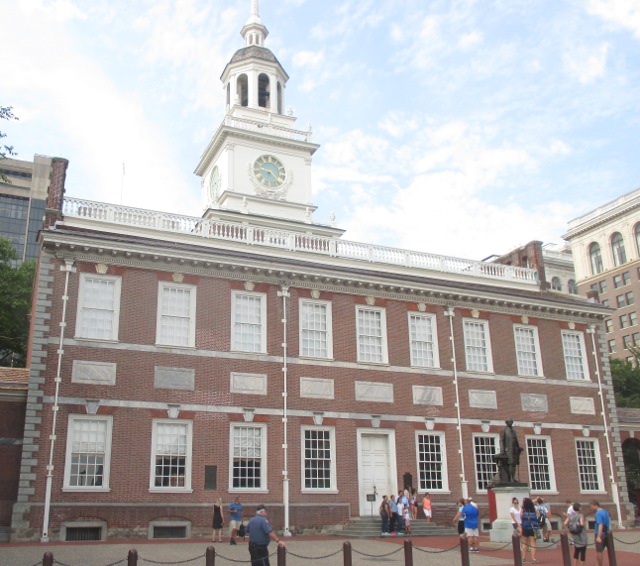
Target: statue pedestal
{"points": [[502, 528]]}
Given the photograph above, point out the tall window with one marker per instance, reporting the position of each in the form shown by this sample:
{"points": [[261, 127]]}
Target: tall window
{"points": [[595, 257], [432, 463], [248, 314], [572, 287], [316, 339], [248, 462], [527, 350], [589, 470], [171, 455], [617, 247], [98, 307], [424, 340], [556, 284], [477, 345], [540, 461], [88, 452], [484, 448], [176, 324], [318, 459], [575, 358], [636, 231], [372, 335]]}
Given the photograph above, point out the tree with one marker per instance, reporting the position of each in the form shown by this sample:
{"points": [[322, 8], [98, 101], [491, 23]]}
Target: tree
{"points": [[16, 285], [6, 113], [626, 382]]}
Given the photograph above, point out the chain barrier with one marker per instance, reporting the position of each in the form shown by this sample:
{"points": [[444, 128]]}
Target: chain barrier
{"points": [[339, 551], [438, 551], [58, 563], [507, 545], [625, 542], [171, 563], [399, 549]]}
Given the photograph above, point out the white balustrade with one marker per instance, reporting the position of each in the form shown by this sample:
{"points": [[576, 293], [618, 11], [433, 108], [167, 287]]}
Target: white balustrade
{"points": [[293, 241]]}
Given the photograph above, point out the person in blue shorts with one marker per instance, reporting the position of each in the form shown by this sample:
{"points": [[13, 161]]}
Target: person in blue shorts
{"points": [[235, 518]]}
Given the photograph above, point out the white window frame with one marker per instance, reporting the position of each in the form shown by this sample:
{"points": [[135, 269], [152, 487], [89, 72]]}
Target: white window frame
{"points": [[443, 464], [383, 334], [81, 313], [106, 465], [549, 454], [332, 466], [583, 352], [488, 353], [186, 488], [263, 457], [476, 463], [328, 323], [599, 473], [536, 350], [262, 349], [191, 340], [434, 341]]}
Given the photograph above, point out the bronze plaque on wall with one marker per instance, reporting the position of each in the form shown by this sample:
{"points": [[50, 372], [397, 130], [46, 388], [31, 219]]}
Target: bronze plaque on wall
{"points": [[210, 477]]}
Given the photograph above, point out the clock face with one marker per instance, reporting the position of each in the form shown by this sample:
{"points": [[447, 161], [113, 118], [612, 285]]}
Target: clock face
{"points": [[269, 172], [214, 183]]}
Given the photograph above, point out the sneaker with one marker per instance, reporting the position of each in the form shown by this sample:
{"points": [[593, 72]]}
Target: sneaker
{"points": [[233, 541], [393, 534], [474, 550]]}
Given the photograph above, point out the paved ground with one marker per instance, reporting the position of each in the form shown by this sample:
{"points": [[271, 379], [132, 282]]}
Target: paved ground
{"points": [[301, 551]]}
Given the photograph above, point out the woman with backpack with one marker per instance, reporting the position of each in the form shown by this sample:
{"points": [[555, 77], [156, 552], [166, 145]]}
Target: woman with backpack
{"points": [[528, 529], [575, 523]]}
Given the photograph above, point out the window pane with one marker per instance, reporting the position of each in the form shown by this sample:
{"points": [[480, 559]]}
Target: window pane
{"points": [[175, 316], [422, 340], [430, 462], [484, 448], [97, 309], [317, 459], [314, 329], [539, 465], [476, 345], [526, 351], [248, 323], [247, 457], [88, 447], [370, 338], [170, 454], [588, 465], [574, 355]]}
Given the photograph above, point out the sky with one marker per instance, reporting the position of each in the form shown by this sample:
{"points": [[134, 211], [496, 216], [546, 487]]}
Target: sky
{"points": [[456, 127]]}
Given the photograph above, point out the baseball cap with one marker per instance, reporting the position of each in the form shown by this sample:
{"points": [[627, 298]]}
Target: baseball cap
{"points": [[261, 507]]}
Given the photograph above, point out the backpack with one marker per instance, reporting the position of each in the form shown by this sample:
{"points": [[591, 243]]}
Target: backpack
{"points": [[543, 516], [575, 528]]}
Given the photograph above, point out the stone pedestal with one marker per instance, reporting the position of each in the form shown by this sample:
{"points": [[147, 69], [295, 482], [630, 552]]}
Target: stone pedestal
{"points": [[502, 527]]}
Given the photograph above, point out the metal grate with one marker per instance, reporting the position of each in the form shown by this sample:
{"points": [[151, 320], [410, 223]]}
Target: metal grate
{"points": [[171, 531], [83, 533]]}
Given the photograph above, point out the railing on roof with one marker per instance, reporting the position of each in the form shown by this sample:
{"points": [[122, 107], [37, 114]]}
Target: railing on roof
{"points": [[267, 128], [293, 241]]}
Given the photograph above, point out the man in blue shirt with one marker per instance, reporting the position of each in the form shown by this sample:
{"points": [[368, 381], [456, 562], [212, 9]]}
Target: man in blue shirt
{"points": [[235, 518], [601, 529], [471, 514], [260, 533]]}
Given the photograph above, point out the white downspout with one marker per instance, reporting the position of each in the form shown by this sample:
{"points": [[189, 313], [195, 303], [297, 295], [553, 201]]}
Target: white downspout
{"points": [[68, 269], [464, 488], [284, 293], [614, 485]]}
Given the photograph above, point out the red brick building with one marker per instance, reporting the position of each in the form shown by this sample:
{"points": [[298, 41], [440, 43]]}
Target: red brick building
{"points": [[254, 352]]}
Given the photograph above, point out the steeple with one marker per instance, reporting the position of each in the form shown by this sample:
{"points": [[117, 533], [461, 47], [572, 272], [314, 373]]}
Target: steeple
{"points": [[254, 31]]}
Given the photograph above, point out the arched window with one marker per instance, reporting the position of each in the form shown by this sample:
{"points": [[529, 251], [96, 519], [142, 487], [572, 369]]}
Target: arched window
{"points": [[279, 92], [617, 246], [596, 258], [264, 91], [637, 233], [242, 88], [572, 287], [556, 284], [228, 94]]}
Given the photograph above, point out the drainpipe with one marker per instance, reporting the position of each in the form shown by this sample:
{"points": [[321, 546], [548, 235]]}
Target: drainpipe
{"points": [[464, 487], [284, 293], [68, 269], [612, 477]]}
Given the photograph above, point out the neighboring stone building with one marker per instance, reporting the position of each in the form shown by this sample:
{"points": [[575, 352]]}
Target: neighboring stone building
{"points": [[23, 194], [606, 253], [253, 352], [13, 399]]}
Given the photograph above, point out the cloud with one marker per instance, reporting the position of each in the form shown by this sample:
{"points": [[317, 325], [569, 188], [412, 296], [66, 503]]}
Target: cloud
{"points": [[308, 59], [587, 64], [623, 13]]}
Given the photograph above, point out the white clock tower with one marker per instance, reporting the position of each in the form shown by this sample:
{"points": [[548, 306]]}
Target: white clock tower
{"points": [[257, 162]]}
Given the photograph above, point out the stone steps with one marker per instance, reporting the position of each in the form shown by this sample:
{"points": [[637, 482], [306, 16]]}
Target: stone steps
{"points": [[369, 527]]}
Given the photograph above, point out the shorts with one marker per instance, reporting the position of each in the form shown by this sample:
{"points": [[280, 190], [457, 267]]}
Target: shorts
{"points": [[600, 546], [528, 533], [235, 524], [580, 552], [471, 532], [427, 512]]}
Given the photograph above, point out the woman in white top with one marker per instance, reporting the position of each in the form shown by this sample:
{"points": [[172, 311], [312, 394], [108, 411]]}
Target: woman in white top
{"points": [[516, 519]]}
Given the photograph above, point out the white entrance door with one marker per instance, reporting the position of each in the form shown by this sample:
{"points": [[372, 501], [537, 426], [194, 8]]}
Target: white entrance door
{"points": [[375, 471]]}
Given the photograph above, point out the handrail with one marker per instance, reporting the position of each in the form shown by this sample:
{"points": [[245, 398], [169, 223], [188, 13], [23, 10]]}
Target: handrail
{"points": [[258, 235]]}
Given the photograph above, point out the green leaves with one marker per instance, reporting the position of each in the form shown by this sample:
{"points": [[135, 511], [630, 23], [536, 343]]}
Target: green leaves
{"points": [[16, 285]]}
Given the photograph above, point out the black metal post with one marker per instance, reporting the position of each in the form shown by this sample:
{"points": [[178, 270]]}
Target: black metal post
{"points": [[464, 551], [282, 555], [408, 553], [47, 559], [210, 556], [566, 551], [346, 554], [611, 551], [517, 549], [132, 558]]}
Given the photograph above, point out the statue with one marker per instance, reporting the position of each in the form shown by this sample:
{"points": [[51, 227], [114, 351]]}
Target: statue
{"points": [[509, 459]]}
